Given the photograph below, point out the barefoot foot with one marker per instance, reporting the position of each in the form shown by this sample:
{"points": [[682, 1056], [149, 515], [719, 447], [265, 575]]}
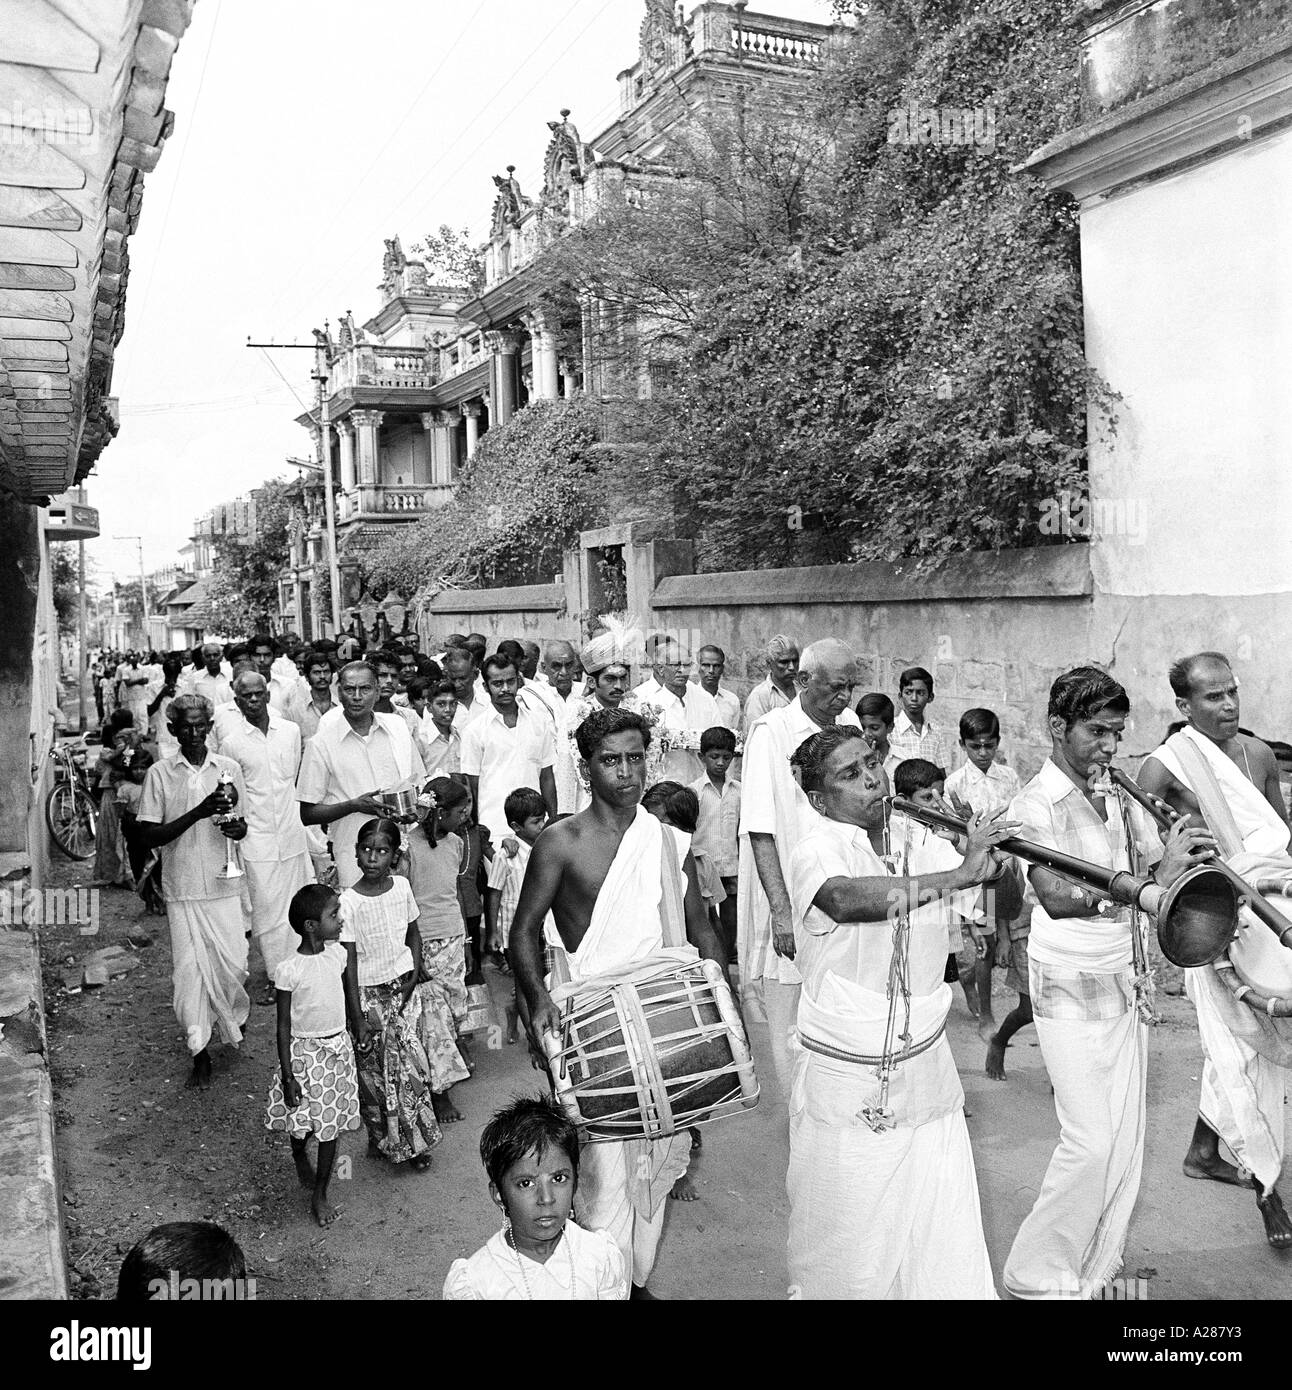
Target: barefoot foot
{"points": [[986, 1026], [445, 1111], [996, 1058], [200, 1077], [683, 1190], [1278, 1226], [421, 1163], [1215, 1169], [324, 1212]]}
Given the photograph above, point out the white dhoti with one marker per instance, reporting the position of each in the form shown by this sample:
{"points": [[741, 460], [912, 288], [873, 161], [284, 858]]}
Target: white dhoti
{"points": [[1244, 1073], [208, 946], [272, 885], [1071, 1242], [623, 1186], [889, 1214]]}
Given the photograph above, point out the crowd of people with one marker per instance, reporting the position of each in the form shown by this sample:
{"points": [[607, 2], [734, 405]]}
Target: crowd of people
{"points": [[402, 820]]}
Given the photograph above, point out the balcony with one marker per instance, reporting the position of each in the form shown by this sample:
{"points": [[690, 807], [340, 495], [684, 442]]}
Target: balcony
{"points": [[392, 501], [382, 368]]}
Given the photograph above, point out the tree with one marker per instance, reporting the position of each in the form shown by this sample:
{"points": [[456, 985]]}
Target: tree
{"points": [[65, 581], [861, 328], [451, 257], [242, 593], [532, 486]]}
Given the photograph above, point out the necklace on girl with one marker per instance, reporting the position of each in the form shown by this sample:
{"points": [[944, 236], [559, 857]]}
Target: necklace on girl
{"points": [[520, 1260]]}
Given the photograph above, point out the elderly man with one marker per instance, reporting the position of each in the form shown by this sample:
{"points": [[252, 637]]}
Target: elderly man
{"points": [[356, 757], [711, 662], [562, 661], [685, 710], [275, 853], [1216, 775], [208, 939], [508, 748], [210, 682], [774, 817], [460, 668], [777, 689], [883, 1193]]}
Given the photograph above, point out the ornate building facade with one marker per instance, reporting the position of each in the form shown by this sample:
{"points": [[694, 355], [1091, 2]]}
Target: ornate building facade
{"points": [[410, 392]]}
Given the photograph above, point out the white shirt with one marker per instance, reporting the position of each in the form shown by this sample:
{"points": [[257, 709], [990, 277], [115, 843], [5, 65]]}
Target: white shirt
{"points": [[269, 764], [379, 929], [318, 996], [988, 791], [504, 759], [771, 803], [728, 703], [717, 832], [216, 688], [763, 698], [495, 1273], [340, 764], [685, 719], [464, 716], [192, 863]]}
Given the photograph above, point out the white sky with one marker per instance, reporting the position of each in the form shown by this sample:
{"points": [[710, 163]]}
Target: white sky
{"points": [[306, 132]]}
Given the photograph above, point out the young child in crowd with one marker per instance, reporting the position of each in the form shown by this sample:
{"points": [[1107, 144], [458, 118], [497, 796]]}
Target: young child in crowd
{"points": [[442, 741], [174, 1256], [677, 806], [433, 861], [985, 785], [145, 864], [924, 851], [876, 714], [717, 827], [526, 816], [379, 916], [316, 1091], [914, 734], [530, 1151]]}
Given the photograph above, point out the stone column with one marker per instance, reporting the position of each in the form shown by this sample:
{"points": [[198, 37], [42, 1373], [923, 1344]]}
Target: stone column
{"points": [[505, 348], [471, 413], [345, 433], [547, 386], [568, 379], [429, 426], [447, 421], [368, 423]]}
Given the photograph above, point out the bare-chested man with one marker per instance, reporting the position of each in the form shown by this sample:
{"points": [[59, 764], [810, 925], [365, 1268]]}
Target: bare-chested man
{"points": [[1219, 777], [600, 874]]}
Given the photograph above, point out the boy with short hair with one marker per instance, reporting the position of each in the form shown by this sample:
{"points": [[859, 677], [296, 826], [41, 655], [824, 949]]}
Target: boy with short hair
{"points": [[876, 714], [526, 814], [914, 735], [924, 851], [442, 740], [718, 825], [984, 785]]}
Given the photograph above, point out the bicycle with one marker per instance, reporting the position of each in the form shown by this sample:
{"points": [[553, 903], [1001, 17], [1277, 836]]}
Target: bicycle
{"points": [[70, 812]]}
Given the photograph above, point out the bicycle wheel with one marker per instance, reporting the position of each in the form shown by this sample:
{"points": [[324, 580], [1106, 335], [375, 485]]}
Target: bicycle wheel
{"points": [[71, 817]]}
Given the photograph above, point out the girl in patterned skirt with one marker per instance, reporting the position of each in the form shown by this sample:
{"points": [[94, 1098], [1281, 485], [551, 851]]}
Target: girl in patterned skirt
{"points": [[379, 915], [433, 861], [317, 1092]]}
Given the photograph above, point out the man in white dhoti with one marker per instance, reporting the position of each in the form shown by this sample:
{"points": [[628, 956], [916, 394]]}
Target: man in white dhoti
{"points": [[1088, 1001], [623, 894], [275, 853], [1227, 780], [207, 916], [355, 758], [562, 662], [883, 1193], [774, 816]]}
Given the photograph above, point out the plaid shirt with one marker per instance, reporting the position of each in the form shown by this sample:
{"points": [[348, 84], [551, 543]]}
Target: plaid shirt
{"points": [[931, 743]]}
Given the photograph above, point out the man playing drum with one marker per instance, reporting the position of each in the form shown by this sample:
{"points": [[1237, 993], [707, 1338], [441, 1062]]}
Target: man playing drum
{"points": [[1229, 781], [883, 1193], [601, 873]]}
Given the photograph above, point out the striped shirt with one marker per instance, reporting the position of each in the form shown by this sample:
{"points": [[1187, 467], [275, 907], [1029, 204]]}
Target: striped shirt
{"points": [[379, 929]]}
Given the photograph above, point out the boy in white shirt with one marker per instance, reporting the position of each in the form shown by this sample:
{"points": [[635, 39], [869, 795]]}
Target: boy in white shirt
{"points": [[983, 785], [717, 829]]}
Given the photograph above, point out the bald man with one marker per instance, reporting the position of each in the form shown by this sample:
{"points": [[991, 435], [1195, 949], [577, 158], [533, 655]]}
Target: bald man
{"points": [[778, 689], [774, 817]]}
